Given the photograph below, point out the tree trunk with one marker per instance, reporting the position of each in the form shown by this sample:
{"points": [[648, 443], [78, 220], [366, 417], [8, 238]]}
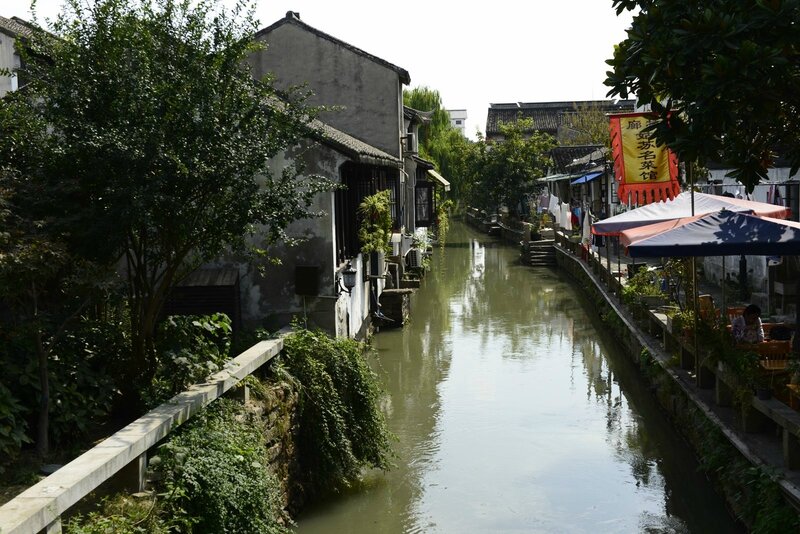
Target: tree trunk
{"points": [[43, 426]]}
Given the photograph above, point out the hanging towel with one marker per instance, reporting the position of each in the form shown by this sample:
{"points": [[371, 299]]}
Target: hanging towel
{"points": [[553, 206], [566, 216], [586, 234]]}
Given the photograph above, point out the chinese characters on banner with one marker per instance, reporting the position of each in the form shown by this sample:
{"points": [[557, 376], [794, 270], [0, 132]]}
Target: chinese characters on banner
{"points": [[644, 171]]}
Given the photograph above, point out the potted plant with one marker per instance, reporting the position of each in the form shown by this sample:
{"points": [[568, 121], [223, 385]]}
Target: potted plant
{"points": [[645, 287], [535, 226], [744, 366], [376, 229], [681, 323]]}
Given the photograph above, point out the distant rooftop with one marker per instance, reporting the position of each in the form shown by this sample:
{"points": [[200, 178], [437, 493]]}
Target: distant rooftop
{"points": [[565, 157], [547, 116]]}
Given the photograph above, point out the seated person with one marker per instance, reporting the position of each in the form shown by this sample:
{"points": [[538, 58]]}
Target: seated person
{"points": [[746, 328]]}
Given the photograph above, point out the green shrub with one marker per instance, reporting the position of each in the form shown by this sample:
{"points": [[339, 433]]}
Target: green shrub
{"points": [[376, 223], [82, 384], [83, 378], [341, 427], [190, 348], [120, 514], [644, 283], [216, 476], [12, 426]]}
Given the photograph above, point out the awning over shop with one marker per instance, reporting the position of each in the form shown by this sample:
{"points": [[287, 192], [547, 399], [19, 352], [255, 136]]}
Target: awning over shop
{"points": [[558, 177], [439, 178], [586, 178]]}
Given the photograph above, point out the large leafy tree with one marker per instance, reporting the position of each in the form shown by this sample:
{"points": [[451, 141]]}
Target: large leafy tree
{"points": [[158, 143], [505, 172], [723, 77], [438, 140]]}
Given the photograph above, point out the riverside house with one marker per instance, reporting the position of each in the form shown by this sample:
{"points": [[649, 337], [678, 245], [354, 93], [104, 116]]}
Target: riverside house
{"points": [[365, 142]]}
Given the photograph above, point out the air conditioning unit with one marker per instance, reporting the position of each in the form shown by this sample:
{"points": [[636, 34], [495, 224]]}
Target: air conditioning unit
{"points": [[413, 258], [411, 143]]}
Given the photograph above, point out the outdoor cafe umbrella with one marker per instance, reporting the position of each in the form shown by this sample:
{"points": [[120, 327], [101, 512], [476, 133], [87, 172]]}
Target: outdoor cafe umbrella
{"points": [[686, 204], [638, 233], [680, 207], [725, 233]]}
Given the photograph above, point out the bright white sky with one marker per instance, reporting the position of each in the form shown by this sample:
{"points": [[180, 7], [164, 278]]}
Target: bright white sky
{"points": [[474, 54]]}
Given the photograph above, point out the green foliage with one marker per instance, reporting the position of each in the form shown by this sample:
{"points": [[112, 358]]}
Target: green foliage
{"points": [[376, 223], [341, 427], [720, 75], [586, 125], [216, 476], [120, 514], [503, 173], [644, 283], [682, 321], [430, 134], [190, 348], [157, 144], [744, 365], [13, 426], [82, 384], [442, 226], [756, 497], [438, 140]]}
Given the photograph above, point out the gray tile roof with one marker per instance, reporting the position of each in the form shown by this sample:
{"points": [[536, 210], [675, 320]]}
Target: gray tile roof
{"points": [[352, 147], [15, 26], [423, 162], [348, 145], [565, 156], [416, 115], [293, 17], [547, 116]]}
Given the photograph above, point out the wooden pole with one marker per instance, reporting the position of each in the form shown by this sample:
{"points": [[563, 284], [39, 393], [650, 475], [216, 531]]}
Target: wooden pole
{"points": [[608, 260], [724, 309], [690, 171]]}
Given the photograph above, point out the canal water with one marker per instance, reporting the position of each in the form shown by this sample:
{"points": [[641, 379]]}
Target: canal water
{"points": [[514, 412]]}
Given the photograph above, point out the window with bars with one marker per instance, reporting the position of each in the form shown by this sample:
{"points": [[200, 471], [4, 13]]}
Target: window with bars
{"points": [[361, 181]]}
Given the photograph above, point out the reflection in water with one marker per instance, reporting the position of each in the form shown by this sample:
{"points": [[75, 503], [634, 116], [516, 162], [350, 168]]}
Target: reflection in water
{"points": [[513, 413]]}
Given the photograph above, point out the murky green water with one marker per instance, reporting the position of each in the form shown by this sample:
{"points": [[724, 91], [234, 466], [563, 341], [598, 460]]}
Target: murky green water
{"points": [[515, 413]]}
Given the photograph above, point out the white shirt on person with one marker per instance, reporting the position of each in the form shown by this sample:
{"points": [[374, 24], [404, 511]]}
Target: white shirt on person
{"points": [[747, 333]]}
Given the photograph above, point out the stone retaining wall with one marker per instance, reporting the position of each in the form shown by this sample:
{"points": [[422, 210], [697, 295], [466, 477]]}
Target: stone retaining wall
{"points": [[278, 408]]}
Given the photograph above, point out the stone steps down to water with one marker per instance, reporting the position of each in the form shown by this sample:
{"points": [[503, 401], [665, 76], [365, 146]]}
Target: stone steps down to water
{"points": [[540, 253]]}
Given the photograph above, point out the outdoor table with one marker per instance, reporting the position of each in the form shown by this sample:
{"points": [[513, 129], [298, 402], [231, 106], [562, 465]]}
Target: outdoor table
{"points": [[774, 364], [769, 349]]}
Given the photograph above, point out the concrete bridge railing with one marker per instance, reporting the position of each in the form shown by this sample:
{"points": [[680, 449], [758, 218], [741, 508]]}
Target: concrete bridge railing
{"points": [[124, 454]]}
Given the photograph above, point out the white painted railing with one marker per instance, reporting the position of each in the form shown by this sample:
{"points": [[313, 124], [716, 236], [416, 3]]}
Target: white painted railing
{"points": [[40, 507]]}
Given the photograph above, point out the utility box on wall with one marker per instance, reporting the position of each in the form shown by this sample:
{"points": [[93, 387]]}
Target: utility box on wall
{"points": [[306, 280]]}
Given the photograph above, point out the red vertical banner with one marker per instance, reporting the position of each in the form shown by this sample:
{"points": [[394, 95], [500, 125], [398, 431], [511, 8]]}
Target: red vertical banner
{"points": [[645, 172]]}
